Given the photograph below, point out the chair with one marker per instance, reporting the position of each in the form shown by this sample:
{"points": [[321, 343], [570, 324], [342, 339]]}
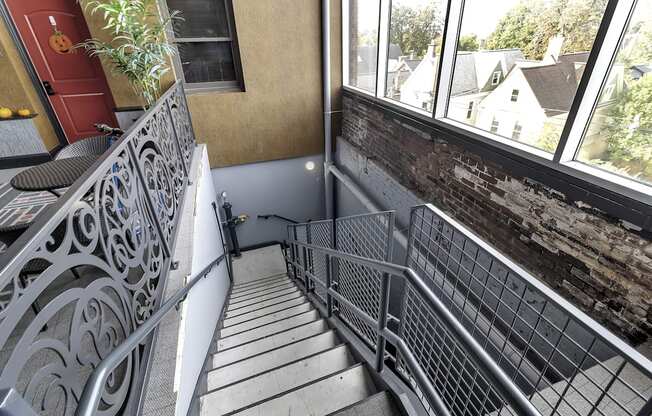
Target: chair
{"points": [[90, 146]]}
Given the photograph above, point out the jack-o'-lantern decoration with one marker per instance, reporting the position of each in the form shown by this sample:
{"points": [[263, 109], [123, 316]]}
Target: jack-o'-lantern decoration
{"points": [[60, 43]]}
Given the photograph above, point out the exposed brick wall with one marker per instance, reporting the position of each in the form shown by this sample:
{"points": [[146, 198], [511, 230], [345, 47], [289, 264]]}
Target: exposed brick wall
{"points": [[599, 263]]}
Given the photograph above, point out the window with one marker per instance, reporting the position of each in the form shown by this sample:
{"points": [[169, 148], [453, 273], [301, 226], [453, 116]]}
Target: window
{"points": [[619, 136], [494, 125], [466, 63], [469, 111], [529, 45], [208, 52], [516, 133], [363, 43], [495, 78], [415, 35]]}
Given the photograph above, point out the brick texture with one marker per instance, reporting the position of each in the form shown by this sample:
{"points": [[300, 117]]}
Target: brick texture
{"points": [[601, 264]]}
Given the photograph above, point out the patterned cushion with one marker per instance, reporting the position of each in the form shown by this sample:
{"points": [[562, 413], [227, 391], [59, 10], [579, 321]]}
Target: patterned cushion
{"points": [[95, 145], [53, 175]]}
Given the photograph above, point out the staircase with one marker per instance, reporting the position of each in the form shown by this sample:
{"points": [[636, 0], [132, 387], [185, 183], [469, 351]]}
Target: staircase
{"points": [[275, 355]]}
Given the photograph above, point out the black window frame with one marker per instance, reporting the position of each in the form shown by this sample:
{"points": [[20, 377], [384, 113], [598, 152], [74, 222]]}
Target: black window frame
{"points": [[234, 85]]}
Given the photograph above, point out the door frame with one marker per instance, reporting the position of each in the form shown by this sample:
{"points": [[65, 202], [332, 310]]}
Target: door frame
{"points": [[31, 71]]}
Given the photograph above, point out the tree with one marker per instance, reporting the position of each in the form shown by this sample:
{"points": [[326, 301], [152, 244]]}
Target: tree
{"points": [[468, 43], [628, 129], [530, 25], [414, 29]]}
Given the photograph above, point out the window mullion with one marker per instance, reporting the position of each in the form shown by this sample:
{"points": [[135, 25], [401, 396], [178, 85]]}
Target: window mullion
{"points": [[569, 146], [383, 47], [346, 24], [447, 57]]}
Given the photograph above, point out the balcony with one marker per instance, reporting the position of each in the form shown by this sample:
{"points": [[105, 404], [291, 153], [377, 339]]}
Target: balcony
{"points": [[409, 276]]}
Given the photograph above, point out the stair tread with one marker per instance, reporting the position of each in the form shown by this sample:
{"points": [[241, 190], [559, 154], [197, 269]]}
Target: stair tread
{"points": [[269, 343], [262, 280], [253, 293], [264, 320], [265, 386], [263, 304], [267, 330], [264, 311], [380, 404], [320, 398], [258, 364], [240, 304], [261, 286]]}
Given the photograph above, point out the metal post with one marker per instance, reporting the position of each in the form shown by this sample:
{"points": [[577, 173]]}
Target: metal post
{"points": [[224, 247], [329, 280], [175, 133], [306, 280], [231, 226], [383, 310], [295, 253], [149, 201]]}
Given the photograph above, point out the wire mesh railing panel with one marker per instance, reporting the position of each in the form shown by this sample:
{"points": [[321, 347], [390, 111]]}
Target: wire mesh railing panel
{"points": [[367, 235], [91, 268], [298, 232], [320, 234], [562, 360]]}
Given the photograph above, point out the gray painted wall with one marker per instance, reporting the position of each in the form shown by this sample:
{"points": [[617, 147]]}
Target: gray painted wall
{"points": [[283, 187]]}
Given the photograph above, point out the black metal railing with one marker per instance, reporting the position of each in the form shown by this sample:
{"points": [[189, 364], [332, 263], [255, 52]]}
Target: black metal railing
{"points": [[477, 335], [116, 226]]}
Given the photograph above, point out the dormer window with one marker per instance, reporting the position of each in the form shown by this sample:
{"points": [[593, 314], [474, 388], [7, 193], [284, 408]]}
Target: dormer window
{"points": [[495, 78]]}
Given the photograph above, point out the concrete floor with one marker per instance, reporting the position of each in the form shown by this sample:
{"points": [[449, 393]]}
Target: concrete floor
{"points": [[7, 174]]}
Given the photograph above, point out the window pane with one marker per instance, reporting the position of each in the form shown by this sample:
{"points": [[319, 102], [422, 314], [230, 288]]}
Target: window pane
{"points": [[363, 43], [619, 137], [415, 33], [207, 61], [201, 18], [536, 47]]}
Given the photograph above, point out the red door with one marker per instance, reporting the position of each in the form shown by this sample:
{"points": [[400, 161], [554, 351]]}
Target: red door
{"points": [[75, 83]]}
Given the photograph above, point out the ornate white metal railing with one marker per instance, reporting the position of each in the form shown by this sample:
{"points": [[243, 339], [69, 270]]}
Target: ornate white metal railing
{"points": [[116, 227], [477, 335]]}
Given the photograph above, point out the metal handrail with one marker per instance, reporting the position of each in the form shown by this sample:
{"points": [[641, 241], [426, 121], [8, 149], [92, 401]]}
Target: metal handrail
{"points": [[92, 393], [280, 217], [480, 357]]}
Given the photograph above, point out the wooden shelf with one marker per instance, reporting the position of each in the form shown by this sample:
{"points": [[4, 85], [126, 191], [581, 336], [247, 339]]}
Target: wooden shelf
{"points": [[31, 116]]}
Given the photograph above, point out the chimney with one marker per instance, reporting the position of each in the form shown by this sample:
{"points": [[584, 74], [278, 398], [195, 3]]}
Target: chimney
{"points": [[554, 50]]}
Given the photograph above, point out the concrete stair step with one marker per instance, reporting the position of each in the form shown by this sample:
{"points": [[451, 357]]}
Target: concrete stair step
{"points": [[263, 304], [380, 404], [238, 287], [265, 386], [264, 286], [267, 330], [264, 320], [279, 357], [242, 303], [320, 398], [249, 294], [272, 342], [259, 313]]}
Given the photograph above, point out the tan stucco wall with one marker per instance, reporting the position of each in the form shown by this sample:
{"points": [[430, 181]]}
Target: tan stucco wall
{"points": [[17, 90], [280, 114]]}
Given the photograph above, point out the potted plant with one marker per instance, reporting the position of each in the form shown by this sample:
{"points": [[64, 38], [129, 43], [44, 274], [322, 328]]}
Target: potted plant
{"points": [[138, 47]]}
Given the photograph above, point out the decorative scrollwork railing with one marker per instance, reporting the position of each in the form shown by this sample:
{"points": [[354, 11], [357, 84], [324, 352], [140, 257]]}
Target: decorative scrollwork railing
{"points": [[95, 263]]}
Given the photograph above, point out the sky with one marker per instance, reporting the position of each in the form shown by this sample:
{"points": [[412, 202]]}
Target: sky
{"points": [[481, 16]]}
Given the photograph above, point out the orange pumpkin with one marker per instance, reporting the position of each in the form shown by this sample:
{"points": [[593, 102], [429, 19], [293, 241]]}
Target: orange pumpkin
{"points": [[60, 43]]}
